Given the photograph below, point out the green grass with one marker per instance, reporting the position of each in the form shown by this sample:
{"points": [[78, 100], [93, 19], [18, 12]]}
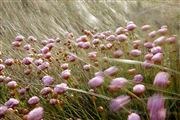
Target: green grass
{"points": [[53, 18]]}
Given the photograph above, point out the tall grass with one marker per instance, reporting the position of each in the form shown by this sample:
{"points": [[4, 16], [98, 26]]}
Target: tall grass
{"points": [[51, 19]]}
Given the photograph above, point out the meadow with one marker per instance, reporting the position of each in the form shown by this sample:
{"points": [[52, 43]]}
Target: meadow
{"points": [[89, 60]]}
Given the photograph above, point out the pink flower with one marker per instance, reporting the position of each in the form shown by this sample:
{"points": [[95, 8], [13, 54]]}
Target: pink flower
{"points": [[43, 66], [145, 27], [119, 102], [156, 49], [172, 39], [160, 40], [92, 55], [96, 41], [33, 100], [118, 83], [121, 37], [96, 81], [148, 44], [12, 84], [65, 66], [32, 39], [53, 101], [16, 44], [2, 78], [99, 73], [66, 74], [60, 88], [3, 110], [19, 38], [27, 47], [2, 67], [11, 103], [152, 34], [9, 61], [155, 105], [161, 79], [22, 91], [134, 116], [117, 53], [138, 78], [27, 60], [111, 38], [135, 52], [162, 31], [131, 26], [48, 80], [36, 114], [44, 50], [119, 30], [71, 57], [87, 67], [38, 62], [147, 64], [148, 56], [157, 58], [111, 71], [46, 91], [139, 89]]}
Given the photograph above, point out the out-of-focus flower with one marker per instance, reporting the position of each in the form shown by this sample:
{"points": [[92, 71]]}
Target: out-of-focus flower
{"points": [[46, 91], [135, 52], [9, 61], [66, 74], [131, 26], [60, 88], [157, 58], [65, 66], [71, 57], [138, 78], [96, 81], [119, 102], [145, 27], [36, 114], [160, 40], [16, 44], [2, 67], [27, 60], [172, 39], [156, 49], [3, 110], [119, 30], [19, 38], [161, 79], [121, 37], [117, 83], [152, 34], [33, 100], [111, 71], [48, 80], [31, 39], [134, 116], [11, 103], [139, 89], [27, 47], [12, 84], [155, 106], [117, 53], [87, 67]]}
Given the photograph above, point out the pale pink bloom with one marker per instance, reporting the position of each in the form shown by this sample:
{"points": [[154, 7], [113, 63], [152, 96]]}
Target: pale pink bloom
{"points": [[27, 47], [65, 66], [111, 71], [46, 91], [172, 39], [162, 31], [147, 64], [38, 62], [118, 53], [53, 101], [152, 34], [121, 37], [31, 39], [100, 73], [2, 78], [109, 45], [118, 83], [145, 27], [96, 41], [36, 114], [119, 30], [3, 110], [156, 49], [22, 91], [48, 80], [71, 57], [92, 55], [60, 88], [47, 55], [9, 61], [50, 45], [148, 56], [131, 26], [87, 67], [43, 66], [44, 42], [102, 46], [33, 100], [134, 116], [139, 89], [2, 67], [148, 44], [44, 50], [135, 52], [19, 38], [157, 58], [66, 74], [138, 78], [111, 38], [12, 84], [11, 103], [160, 40], [27, 60], [161, 79], [119, 102], [16, 44], [96, 81]]}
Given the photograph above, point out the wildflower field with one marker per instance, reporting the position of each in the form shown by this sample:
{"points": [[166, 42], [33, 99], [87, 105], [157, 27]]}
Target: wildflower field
{"points": [[89, 60]]}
